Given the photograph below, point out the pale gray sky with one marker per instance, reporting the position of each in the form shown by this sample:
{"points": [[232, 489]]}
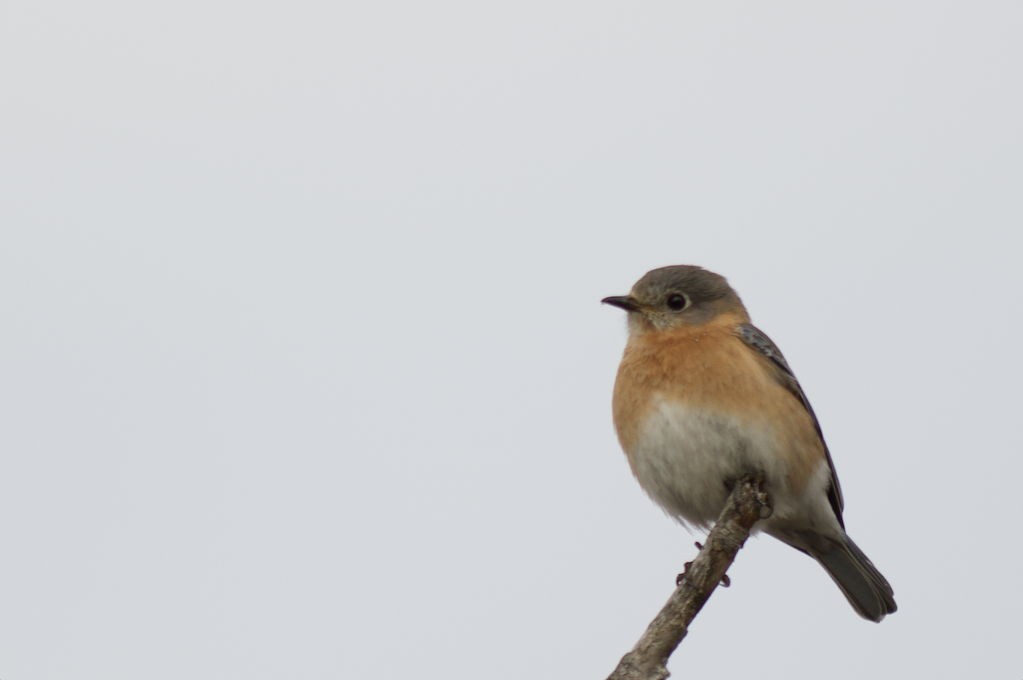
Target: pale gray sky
{"points": [[304, 371]]}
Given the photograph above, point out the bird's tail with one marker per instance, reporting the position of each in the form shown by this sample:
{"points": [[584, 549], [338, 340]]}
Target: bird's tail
{"points": [[861, 583]]}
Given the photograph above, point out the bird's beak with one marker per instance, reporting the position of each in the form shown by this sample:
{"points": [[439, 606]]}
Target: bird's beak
{"points": [[626, 302]]}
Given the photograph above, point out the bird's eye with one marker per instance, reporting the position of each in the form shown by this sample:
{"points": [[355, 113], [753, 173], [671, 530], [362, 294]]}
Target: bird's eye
{"points": [[676, 302]]}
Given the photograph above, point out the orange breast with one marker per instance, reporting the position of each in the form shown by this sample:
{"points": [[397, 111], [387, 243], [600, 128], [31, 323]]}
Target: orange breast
{"points": [[709, 368]]}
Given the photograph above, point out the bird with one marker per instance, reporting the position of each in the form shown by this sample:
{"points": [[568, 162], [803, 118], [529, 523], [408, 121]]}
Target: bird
{"points": [[703, 397]]}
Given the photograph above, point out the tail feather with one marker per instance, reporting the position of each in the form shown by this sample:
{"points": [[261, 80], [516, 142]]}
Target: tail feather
{"points": [[861, 583]]}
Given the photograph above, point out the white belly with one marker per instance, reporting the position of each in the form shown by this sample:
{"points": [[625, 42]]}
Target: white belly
{"points": [[687, 459]]}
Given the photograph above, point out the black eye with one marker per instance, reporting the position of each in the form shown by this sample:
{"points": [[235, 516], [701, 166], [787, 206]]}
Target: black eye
{"points": [[676, 302]]}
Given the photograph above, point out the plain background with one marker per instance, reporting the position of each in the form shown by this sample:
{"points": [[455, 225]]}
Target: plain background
{"points": [[304, 372]]}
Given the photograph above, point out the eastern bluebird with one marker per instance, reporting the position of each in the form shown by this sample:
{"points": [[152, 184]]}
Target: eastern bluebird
{"points": [[703, 397]]}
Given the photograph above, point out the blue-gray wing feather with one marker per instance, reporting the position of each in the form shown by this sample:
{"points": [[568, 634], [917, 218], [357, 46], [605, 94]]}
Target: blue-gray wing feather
{"points": [[758, 340]]}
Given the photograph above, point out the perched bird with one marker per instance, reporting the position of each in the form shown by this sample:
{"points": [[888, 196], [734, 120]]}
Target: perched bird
{"points": [[703, 397]]}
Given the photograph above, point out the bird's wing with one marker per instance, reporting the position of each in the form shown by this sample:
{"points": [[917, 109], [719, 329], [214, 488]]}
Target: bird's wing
{"points": [[758, 341]]}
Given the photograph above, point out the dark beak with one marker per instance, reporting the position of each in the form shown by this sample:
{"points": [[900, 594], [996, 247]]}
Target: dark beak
{"points": [[627, 303]]}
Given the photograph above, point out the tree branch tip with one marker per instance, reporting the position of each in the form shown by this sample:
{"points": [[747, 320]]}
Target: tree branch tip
{"points": [[747, 504]]}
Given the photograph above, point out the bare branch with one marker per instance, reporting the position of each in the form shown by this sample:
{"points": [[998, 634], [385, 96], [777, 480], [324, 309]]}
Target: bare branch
{"points": [[648, 660]]}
